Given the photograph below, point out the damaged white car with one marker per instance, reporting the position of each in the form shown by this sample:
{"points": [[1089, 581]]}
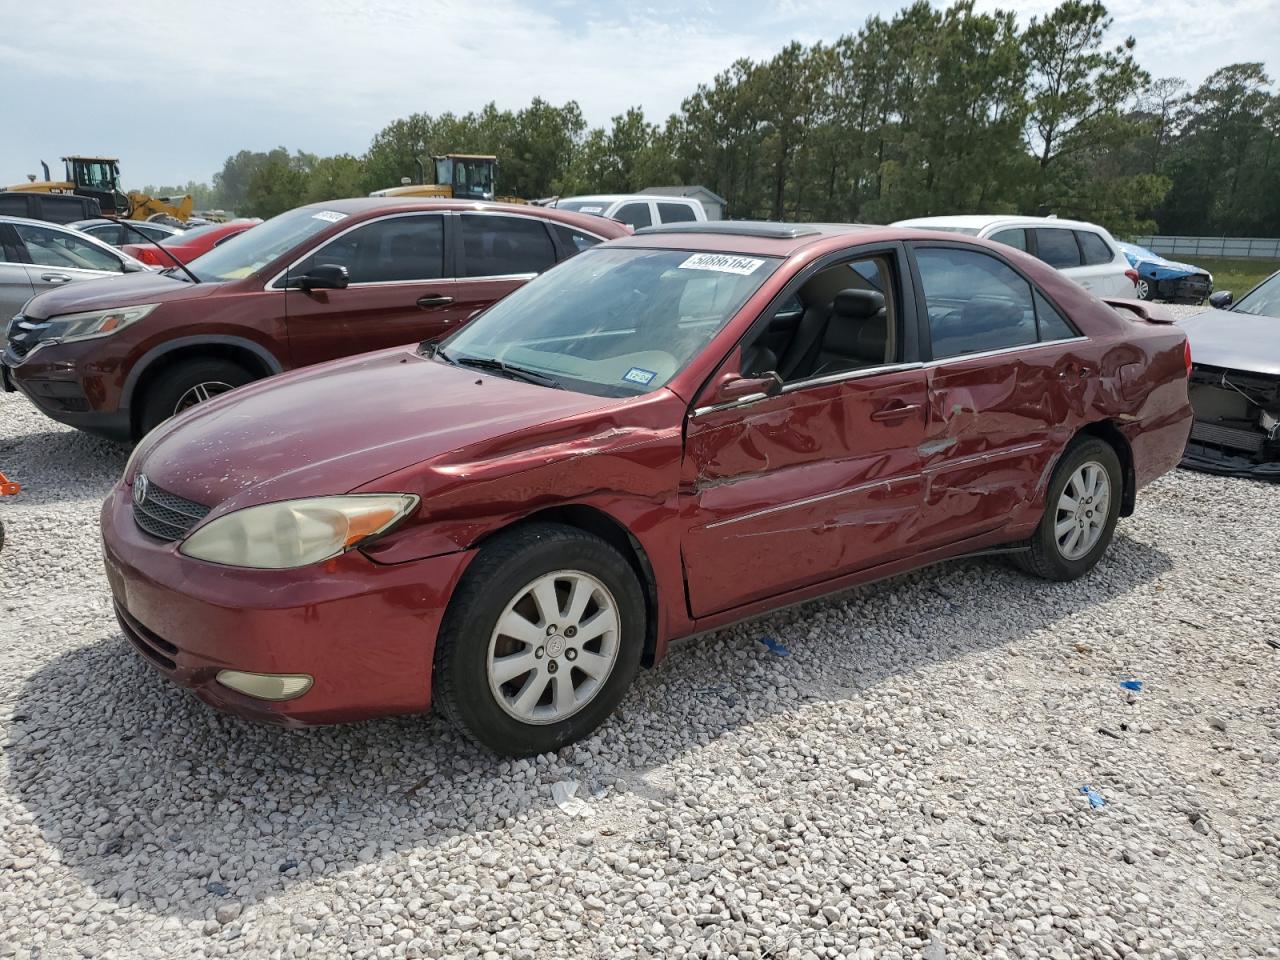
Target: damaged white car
{"points": [[1235, 384]]}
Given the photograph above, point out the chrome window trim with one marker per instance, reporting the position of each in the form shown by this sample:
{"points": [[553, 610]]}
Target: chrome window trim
{"points": [[1003, 350], [272, 283], [523, 216], [813, 382]]}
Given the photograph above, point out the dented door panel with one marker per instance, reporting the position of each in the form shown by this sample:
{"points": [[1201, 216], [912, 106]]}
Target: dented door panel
{"points": [[801, 487]]}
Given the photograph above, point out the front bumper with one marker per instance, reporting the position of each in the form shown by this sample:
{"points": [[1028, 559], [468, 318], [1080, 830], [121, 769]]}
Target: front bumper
{"points": [[1191, 289], [63, 398], [365, 631]]}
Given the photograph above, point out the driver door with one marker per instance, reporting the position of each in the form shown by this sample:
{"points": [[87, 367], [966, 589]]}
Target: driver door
{"points": [[817, 481]]}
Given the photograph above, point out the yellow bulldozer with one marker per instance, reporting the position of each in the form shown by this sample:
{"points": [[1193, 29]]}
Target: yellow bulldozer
{"points": [[99, 178], [461, 176]]}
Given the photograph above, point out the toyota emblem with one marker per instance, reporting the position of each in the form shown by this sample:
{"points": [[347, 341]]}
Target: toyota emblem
{"points": [[140, 485]]}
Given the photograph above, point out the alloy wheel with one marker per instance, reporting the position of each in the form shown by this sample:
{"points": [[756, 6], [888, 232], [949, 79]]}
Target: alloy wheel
{"points": [[200, 393], [1082, 510], [553, 647]]}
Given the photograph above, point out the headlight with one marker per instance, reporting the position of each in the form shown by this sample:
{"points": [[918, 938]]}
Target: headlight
{"points": [[294, 533], [98, 323]]}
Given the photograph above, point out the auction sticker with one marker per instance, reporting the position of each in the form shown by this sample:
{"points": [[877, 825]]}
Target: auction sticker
{"points": [[639, 375], [722, 263], [332, 216]]}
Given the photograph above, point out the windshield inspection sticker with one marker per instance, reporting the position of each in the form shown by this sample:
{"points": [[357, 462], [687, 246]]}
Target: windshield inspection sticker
{"points": [[639, 375], [332, 216], [721, 262]]}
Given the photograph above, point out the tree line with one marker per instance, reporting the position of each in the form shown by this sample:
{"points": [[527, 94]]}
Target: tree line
{"points": [[926, 112]]}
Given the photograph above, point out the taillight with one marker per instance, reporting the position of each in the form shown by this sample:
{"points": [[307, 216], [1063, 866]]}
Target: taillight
{"points": [[1186, 355], [1132, 275]]}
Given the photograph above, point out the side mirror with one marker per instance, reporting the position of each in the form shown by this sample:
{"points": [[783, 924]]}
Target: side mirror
{"points": [[324, 276], [1221, 300], [733, 388], [127, 267]]}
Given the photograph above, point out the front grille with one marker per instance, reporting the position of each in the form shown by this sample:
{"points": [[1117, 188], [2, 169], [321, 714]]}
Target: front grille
{"points": [[1233, 438], [166, 515], [24, 333]]}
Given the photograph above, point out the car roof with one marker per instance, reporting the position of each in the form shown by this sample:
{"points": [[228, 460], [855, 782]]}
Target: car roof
{"points": [[5, 218], [982, 221], [615, 197], [374, 206]]}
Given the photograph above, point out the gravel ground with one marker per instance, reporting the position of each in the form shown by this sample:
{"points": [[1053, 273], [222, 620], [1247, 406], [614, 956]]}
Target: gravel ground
{"points": [[907, 783]]}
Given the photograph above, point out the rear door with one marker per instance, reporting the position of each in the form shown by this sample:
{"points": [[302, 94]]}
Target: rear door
{"points": [[1104, 266], [400, 289], [496, 253], [1057, 247], [15, 286], [1002, 381]]}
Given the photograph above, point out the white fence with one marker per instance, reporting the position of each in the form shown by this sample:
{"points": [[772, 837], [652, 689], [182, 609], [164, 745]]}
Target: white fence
{"points": [[1258, 248]]}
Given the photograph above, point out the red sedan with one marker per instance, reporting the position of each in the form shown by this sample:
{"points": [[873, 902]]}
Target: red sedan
{"points": [[189, 244], [663, 435]]}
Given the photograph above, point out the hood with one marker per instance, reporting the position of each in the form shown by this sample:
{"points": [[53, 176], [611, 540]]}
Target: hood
{"points": [[331, 428], [122, 291], [1138, 258], [1234, 341]]}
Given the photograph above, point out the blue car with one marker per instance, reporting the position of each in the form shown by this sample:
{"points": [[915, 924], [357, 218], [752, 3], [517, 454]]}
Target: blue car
{"points": [[1161, 279]]}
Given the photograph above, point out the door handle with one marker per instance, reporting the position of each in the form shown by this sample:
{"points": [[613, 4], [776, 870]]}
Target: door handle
{"points": [[434, 300], [55, 277], [895, 411]]}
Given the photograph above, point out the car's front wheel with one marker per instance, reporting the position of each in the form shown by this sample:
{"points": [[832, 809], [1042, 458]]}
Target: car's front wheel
{"points": [[541, 640], [1144, 289], [187, 384], [1081, 510]]}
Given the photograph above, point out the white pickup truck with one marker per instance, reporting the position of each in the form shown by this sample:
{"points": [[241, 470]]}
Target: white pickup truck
{"points": [[637, 209]]}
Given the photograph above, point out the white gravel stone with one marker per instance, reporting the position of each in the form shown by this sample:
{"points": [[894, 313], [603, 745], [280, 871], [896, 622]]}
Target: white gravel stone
{"points": [[906, 784]]}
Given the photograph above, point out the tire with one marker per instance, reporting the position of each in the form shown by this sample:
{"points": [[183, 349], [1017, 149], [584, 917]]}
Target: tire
{"points": [[1048, 557], [1144, 290], [170, 391], [467, 680]]}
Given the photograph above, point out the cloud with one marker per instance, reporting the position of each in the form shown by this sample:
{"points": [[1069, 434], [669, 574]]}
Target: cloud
{"points": [[174, 87]]}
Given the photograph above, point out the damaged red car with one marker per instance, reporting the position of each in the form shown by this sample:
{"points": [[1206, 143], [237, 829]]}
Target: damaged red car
{"points": [[665, 434]]}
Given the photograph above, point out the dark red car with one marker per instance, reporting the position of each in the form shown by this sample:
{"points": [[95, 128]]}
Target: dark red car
{"points": [[117, 357], [664, 435], [189, 244]]}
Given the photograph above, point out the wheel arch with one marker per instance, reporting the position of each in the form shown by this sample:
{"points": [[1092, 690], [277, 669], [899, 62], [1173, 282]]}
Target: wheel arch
{"points": [[612, 531], [1110, 433], [252, 356]]}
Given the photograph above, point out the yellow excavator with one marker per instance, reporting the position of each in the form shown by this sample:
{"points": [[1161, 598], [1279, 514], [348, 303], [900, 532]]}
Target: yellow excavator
{"points": [[99, 178], [461, 176]]}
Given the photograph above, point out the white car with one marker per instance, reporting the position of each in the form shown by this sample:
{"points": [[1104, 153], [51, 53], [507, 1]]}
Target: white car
{"points": [[36, 256], [1085, 252], [637, 209]]}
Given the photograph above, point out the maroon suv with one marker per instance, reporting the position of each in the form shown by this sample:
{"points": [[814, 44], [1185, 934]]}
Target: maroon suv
{"points": [[116, 357]]}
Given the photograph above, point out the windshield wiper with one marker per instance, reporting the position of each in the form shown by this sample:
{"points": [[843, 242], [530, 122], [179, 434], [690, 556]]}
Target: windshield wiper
{"points": [[515, 373]]}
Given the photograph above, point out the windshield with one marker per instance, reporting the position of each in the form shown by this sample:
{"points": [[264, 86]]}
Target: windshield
{"points": [[613, 322], [1263, 300], [249, 252]]}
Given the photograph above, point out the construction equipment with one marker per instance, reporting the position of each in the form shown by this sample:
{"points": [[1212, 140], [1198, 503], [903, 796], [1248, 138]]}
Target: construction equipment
{"points": [[99, 178], [460, 176], [7, 489]]}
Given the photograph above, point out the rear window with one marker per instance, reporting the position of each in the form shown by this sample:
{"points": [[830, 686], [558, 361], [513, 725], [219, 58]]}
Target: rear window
{"points": [[596, 207], [1095, 249], [1016, 238], [676, 213], [1057, 247]]}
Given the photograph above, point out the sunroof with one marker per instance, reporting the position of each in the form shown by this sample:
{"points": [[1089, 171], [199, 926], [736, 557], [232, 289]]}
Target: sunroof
{"points": [[738, 228]]}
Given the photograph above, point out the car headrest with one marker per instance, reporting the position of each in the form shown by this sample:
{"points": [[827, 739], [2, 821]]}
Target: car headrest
{"points": [[857, 304]]}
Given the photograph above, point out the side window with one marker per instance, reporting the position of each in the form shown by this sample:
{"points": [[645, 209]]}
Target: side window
{"points": [[1016, 238], [398, 249], [58, 248], [1057, 247], [635, 214], [497, 246], [155, 234], [843, 318], [13, 204], [574, 241], [975, 302], [1052, 324], [1094, 247], [106, 232], [676, 213]]}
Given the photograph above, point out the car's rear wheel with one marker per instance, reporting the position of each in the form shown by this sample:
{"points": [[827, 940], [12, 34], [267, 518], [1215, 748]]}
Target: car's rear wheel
{"points": [[1144, 289], [1081, 510], [186, 384], [541, 640]]}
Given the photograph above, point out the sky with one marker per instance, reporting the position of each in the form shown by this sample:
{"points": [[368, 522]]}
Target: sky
{"points": [[174, 87]]}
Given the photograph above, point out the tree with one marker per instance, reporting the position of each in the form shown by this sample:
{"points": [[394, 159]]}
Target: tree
{"points": [[331, 178], [277, 185]]}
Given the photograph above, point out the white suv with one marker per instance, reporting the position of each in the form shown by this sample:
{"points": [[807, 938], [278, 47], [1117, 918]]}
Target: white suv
{"points": [[637, 209], [1085, 252]]}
